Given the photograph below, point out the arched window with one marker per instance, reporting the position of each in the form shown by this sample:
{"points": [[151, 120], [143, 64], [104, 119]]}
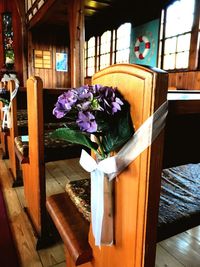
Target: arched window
{"points": [[123, 38], [109, 48], [90, 57], [105, 49]]}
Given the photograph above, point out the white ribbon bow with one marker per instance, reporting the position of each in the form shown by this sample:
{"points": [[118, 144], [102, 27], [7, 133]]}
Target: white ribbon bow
{"points": [[112, 166], [6, 109]]}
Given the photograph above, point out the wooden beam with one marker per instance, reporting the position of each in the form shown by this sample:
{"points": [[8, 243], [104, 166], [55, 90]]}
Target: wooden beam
{"points": [[40, 13], [194, 43], [77, 40]]}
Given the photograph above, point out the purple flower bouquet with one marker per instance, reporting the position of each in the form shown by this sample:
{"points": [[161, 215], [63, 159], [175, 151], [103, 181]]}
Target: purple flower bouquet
{"points": [[98, 110]]}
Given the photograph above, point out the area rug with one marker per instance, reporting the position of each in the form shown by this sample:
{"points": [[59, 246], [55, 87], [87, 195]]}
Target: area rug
{"points": [[8, 253]]}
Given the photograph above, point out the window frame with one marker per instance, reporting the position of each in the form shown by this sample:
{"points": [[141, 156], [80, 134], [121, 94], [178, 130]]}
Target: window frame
{"points": [[113, 50], [193, 61]]}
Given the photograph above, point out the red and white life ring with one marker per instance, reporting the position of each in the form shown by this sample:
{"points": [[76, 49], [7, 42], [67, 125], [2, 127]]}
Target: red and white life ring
{"points": [[140, 40]]}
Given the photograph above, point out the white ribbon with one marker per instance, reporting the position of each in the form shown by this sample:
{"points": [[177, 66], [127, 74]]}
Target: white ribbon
{"points": [[6, 109], [112, 166], [6, 116]]}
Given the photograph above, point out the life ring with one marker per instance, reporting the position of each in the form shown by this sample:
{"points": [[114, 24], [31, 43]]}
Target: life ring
{"points": [[140, 40]]}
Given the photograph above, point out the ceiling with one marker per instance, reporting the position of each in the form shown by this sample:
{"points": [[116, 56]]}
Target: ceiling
{"points": [[108, 14], [101, 15]]}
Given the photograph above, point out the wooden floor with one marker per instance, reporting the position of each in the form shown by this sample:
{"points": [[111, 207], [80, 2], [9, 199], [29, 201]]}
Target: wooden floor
{"points": [[178, 251]]}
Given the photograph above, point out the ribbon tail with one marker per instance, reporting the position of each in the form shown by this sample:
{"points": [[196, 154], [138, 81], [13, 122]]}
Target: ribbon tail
{"points": [[97, 204]]}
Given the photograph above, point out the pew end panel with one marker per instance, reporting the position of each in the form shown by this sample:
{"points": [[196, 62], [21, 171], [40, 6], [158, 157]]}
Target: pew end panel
{"points": [[18, 126], [137, 188], [34, 187], [40, 104], [3, 135], [13, 131]]}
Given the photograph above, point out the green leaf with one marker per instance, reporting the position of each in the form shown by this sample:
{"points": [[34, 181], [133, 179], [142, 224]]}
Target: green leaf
{"points": [[75, 137], [5, 101], [120, 131]]}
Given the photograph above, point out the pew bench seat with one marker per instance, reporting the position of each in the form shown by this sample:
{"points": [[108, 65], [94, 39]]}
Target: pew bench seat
{"points": [[72, 227], [179, 207], [79, 193], [22, 120], [55, 149]]}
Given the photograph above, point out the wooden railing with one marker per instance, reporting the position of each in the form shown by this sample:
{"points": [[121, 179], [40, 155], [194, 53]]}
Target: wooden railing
{"points": [[38, 7], [31, 11]]}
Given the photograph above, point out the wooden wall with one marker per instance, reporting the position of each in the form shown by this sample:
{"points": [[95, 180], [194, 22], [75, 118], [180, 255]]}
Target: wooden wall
{"points": [[189, 80], [53, 39]]}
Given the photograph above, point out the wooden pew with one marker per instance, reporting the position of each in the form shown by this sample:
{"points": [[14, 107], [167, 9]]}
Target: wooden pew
{"points": [[3, 138], [137, 188], [40, 104], [180, 179], [182, 131], [18, 108], [3, 132]]}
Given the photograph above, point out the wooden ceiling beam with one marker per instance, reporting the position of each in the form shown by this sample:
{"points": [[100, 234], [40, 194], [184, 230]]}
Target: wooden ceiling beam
{"points": [[40, 13]]}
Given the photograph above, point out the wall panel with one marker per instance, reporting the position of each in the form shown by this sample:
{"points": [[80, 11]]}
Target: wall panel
{"points": [[189, 80], [53, 39]]}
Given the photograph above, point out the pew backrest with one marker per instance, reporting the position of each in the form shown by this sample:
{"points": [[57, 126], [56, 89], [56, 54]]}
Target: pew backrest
{"points": [[137, 189]]}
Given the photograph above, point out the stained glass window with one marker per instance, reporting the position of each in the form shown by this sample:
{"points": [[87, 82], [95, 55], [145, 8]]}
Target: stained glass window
{"points": [[9, 56]]}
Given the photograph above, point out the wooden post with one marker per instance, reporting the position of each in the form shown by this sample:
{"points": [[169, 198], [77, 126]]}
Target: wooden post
{"points": [[194, 43], [77, 40]]}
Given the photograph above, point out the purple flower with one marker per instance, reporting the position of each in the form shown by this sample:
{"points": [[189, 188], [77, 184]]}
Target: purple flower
{"points": [[116, 105], [96, 88], [84, 106], [86, 122], [58, 112], [84, 92], [111, 103], [64, 104]]}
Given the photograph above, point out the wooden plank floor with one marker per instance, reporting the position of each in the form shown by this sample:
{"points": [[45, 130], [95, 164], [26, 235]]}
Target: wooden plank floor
{"points": [[178, 251]]}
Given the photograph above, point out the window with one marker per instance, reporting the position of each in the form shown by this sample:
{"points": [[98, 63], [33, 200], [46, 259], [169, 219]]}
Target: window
{"points": [[105, 49], [109, 48], [7, 34], [123, 43], [175, 35], [42, 59], [90, 57]]}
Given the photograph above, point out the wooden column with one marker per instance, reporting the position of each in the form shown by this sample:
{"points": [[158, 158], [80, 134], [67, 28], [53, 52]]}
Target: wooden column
{"points": [[23, 44], [77, 39]]}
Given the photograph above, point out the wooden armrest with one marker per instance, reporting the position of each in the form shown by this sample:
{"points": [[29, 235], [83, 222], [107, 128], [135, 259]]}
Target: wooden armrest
{"points": [[73, 228]]}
